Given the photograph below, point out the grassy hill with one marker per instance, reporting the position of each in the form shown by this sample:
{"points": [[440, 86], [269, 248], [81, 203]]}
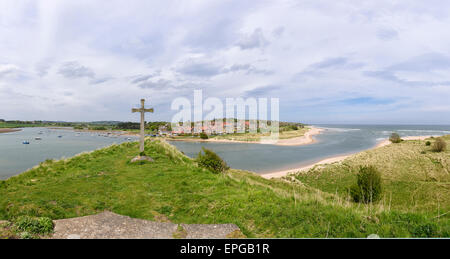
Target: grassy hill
{"points": [[415, 179], [174, 188]]}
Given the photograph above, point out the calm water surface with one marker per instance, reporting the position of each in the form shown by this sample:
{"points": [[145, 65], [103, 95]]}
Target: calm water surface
{"points": [[16, 157], [335, 140]]}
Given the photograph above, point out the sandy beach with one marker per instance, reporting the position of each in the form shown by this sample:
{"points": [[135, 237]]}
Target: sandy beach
{"points": [[9, 130], [297, 141], [303, 140], [334, 159]]}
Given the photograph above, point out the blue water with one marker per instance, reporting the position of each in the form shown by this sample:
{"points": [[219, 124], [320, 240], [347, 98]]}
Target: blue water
{"points": [[16, 157], [335, 140]]}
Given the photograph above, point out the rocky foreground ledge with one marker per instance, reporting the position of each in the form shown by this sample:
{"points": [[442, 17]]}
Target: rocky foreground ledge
{"points": [[108, 225]]}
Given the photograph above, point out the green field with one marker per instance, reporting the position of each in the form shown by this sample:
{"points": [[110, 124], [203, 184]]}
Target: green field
{"points": [[174, 188], [19, 125]]}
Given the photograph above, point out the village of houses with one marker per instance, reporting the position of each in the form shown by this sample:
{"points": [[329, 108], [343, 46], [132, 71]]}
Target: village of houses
{"points": [[210, 128]]}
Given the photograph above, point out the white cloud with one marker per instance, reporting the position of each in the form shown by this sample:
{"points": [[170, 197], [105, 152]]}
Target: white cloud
{"points": [[8, 70], [254, 40], [73, 69], [90, 60]]}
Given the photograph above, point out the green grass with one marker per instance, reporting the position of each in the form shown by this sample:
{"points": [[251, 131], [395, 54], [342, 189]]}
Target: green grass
{"points": [[174, 188], [415, 179]]}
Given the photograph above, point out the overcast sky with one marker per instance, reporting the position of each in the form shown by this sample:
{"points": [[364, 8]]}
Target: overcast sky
{"points": [[327, 61]]}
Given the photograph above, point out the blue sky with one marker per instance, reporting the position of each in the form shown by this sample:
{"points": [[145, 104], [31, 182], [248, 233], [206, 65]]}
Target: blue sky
{"points": [[327, 61]]}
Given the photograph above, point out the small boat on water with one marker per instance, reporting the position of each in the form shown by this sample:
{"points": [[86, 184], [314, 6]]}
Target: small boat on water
{"points": [[38, 138], [26, 142], [59, 136]]}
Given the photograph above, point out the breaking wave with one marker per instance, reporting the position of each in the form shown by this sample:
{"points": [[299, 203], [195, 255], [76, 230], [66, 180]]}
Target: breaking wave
{"points": [[341, 129], [438, 131]]}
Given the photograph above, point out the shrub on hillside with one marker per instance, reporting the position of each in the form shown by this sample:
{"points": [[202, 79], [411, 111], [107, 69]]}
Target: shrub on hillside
{"points": [[203, 135], [368, 186], [428, 143], [395, 138], [425, 230], [439, 145], [211, 161], [34, 225]]}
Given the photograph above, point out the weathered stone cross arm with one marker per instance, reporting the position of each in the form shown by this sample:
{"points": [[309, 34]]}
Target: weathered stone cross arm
{"points": [[142, 110]]}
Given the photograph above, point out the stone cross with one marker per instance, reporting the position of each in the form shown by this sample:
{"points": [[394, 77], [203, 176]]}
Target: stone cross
{"points": [[142, 110]]}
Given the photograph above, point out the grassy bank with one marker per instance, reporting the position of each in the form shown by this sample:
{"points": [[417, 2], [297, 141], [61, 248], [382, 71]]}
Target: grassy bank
{"points": [[174, 188]]}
